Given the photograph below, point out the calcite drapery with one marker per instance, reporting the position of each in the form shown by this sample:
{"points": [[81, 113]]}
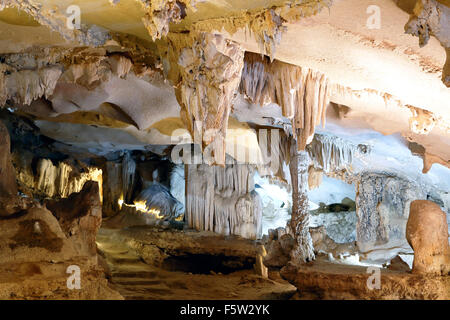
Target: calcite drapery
{"points": [[209, 77], [303, 250], [332, 154], [302, 94], [223, 200]]}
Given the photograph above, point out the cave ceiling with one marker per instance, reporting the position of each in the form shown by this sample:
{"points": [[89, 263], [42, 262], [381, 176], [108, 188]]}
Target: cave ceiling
{"points": [[118, 81]]}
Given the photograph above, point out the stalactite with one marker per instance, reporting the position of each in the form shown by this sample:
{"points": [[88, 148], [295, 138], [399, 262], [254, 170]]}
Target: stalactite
{"points": [[112, 188], [208, 79], [128, 177], [333, 154], [223, 200], [160, 13], [275, 151], [62, 180], [302, 94], [299, 226], [24, 86]]}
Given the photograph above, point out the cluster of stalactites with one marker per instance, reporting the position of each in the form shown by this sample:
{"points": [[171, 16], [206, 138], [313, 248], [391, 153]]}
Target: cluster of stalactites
{"points": [[24, 86], [302, 94], [209, 77], [223, 200], [333, 154], [61, 180]]}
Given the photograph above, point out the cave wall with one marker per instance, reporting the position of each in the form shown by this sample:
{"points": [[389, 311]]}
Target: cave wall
{"points": [[382, 207]]}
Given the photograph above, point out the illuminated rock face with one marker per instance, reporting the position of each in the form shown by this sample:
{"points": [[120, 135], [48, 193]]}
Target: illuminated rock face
{"points": [[107, 97], [210, 73], [427, 233], [382, 208], [80, 217], [302, 94], [223, 200]]}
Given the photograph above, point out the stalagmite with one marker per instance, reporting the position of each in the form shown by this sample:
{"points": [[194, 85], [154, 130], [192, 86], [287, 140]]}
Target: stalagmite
{"points": [[427, 233], [112, 188], [302, 94], [8, 185], [223, 200], [299, 226], [259, 266]]}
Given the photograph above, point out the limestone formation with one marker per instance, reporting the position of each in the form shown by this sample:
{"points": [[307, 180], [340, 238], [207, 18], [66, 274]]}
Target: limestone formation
{"points": [[427, 233], [102, 101], [302, 93], [383, 206], [432, 18], [303, 250], [61, 180], [210, 72], [8, 185], [333, 154], [159, 14], [157, 198], [279, 250], [260, 269], [80, 217], [223, 200]]}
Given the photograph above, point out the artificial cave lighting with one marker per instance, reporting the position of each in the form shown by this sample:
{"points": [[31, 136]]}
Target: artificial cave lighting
{"points": [[225, 150]]}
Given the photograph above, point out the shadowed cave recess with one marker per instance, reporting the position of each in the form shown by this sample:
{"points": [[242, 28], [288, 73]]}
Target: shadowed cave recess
{"points": [[211, 149]]}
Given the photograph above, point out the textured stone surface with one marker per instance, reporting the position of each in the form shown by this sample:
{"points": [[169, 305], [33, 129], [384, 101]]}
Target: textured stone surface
{"points": [[328, 281], [8, 185], [382, 207], [427, 233], [80, 217]]}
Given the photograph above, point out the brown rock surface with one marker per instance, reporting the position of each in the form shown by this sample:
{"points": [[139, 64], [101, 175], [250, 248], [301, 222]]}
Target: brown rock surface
{"points": [[80, 216], [326, 280], [427, 233], [35, 255], [8, 185]]}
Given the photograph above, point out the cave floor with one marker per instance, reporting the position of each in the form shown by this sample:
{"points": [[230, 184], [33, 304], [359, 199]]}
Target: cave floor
{"points": [[136, 280], [132, 255]]}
